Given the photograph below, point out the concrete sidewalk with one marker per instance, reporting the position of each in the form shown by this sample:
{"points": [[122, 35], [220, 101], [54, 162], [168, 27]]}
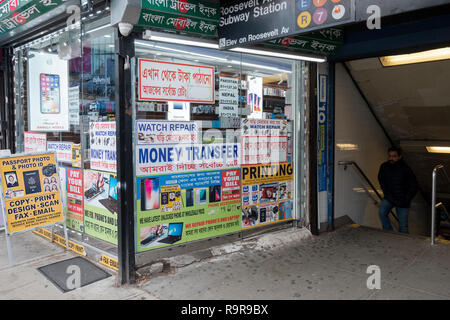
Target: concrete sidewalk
{"points": [[288, 264], [25, 282], [331, 266]]}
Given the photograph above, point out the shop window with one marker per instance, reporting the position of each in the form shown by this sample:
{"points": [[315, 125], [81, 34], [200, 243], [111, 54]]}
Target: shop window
{"points": [[214, 143], [65, 102]]}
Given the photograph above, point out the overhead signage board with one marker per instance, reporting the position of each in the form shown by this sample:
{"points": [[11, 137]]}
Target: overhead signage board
{"points": [[327, 41], [193, 8], [193, 16], [249, 22], [14, 13]]}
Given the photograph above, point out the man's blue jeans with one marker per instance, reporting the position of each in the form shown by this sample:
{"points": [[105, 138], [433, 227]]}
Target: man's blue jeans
{"points": [[402, 214]]}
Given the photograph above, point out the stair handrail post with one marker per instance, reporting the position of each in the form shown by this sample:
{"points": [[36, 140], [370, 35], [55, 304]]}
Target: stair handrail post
{"points": [[433, 201]]}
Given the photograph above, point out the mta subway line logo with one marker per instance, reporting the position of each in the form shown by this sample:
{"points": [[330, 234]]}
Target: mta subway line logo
{"points": [[318, 12]]}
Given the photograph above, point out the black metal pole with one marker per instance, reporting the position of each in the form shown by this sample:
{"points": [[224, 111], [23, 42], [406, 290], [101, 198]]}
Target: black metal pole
{"points": [[313, 205], [8, 119], [331, 142], [124, 51]]}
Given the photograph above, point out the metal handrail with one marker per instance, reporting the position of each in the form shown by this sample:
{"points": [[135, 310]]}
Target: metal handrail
{"points": [[353, 163], [440, 204], [433, 199]]}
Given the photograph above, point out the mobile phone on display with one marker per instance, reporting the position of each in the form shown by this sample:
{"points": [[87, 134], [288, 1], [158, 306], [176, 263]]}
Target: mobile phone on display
{"points": [[149, 194], [50, 93], [189, 197]]}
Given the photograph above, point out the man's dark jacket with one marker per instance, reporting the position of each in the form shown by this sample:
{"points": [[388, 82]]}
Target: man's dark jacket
{"points": [[398, 182]]}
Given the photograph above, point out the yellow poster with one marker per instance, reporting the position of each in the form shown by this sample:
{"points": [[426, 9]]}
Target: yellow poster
{"points": [[31, 191], [76, 155], [265, 173]]}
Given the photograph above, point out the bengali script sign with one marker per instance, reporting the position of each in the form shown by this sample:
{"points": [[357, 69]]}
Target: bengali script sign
{"points": [[166, 81]]}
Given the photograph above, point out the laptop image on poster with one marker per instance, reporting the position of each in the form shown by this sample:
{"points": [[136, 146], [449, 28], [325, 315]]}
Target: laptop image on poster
{"points": [[110, 203], [173, 233]]}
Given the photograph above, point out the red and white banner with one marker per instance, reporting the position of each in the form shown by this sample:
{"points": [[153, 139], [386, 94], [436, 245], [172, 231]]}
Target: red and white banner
{"points": [[168, 81]]}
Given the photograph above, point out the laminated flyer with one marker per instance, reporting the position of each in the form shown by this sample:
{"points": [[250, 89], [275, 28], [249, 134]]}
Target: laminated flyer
{"points": [[186, 191], [183, 207], [31, 191]]}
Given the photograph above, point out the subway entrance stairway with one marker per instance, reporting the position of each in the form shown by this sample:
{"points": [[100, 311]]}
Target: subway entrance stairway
{"points": [[284, 265]]}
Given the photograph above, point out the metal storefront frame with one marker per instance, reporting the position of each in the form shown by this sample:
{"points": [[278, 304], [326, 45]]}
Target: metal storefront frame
{"points": [[300, 155]]}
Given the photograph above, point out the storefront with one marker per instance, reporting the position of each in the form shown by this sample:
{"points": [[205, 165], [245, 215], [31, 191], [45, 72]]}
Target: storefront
{"points": [[161, 146]]}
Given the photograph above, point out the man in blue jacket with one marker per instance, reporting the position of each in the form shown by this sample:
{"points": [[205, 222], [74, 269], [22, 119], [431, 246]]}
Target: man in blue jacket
{"points": [[399, 185]]}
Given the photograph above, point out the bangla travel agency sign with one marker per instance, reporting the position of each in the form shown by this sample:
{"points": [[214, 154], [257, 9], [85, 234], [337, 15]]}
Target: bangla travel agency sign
{"points": [[193, 16], [14, 13], [254, 21]]}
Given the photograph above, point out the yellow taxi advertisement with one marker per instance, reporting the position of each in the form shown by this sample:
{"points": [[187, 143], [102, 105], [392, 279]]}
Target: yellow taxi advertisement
{"points": [[30, 191]]}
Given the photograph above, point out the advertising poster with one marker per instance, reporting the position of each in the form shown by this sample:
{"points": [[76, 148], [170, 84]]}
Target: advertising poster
{"points": [[30, 191], [183, 207], [255, 97], [34, 142], [168, 81], [100, 205], [167, 158], [179, 111], [185, 191], [63, 150], [322, 159], [228, 97], [76, 155], [158, 132], [74, 203], [48, 93], [267, 193], [103, 153], [264, 141], [74, 106]]}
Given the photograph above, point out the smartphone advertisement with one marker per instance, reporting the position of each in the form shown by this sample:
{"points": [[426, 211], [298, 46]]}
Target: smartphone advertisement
{"points": [[178, 208], [48, 96], [255, 97]]}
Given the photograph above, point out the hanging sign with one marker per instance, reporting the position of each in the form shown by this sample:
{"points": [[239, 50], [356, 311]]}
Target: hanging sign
{"points": [[167, 81], [228, 97], [246, 22], [255, 97], [48, 94], [103, 146]]}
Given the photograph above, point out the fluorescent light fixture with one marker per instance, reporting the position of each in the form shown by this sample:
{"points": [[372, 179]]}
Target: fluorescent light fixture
{"points": [[347, 146], [279, 55], [164, 37], [418, 57], [143, 43], [260, 66], [434, 149], [99, 28]]}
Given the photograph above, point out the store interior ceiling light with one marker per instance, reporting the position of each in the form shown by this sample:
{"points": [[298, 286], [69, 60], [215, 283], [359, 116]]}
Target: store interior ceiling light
{"points": [[279, 55], [164, 37], [417, 57], [435, 149], [99, 28], [225, 56], [141, 43]]}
